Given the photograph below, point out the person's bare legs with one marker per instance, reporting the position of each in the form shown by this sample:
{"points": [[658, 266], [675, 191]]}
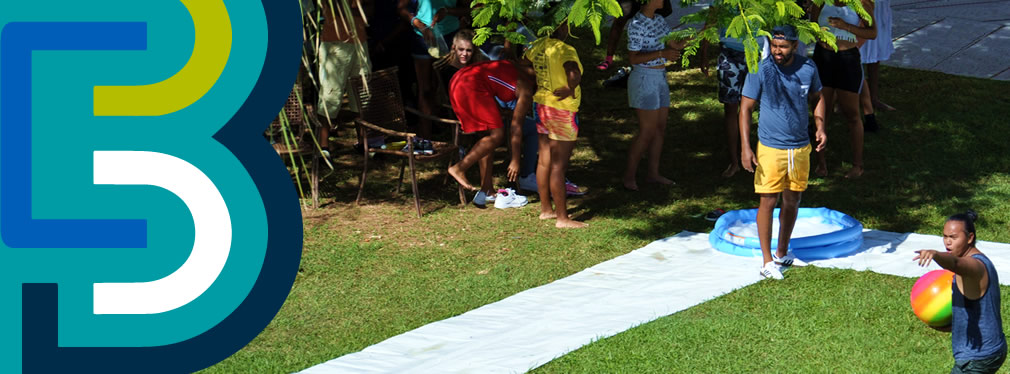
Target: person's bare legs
{"points": [[641, 142], [486, 176], [766, 208], [425, 94], [849, 102], [616, 29], [482, 149], [873, 80], [731, 116], [544, 177], [561, 153], [828, 97], [865, 102], [787, 220], [614, 38], [656, 147]]}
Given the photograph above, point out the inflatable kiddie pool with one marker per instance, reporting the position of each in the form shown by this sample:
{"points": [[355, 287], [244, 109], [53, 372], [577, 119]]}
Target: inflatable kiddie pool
{"points": [[820, 233]]}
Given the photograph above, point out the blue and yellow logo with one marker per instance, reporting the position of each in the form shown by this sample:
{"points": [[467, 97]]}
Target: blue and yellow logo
{"points": [[146, 224]]}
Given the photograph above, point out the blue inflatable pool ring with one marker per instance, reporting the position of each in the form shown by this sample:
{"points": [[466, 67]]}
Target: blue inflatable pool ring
{"points": [[844, 242]]}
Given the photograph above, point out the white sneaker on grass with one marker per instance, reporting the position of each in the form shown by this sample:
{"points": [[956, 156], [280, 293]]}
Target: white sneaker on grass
{"points": [[508, 198], [788, 260], [771, 270]]}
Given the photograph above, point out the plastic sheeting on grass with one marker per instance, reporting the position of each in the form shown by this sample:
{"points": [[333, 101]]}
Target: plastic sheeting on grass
{"points": [[535, 326]]}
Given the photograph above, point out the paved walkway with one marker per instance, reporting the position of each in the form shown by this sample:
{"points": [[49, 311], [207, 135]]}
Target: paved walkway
{"points": [[961, 37]]}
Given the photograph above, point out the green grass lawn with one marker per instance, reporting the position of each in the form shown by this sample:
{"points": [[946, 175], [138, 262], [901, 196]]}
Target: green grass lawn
{"points": [[374, 271]]}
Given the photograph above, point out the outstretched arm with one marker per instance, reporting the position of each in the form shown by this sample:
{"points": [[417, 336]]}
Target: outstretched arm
{"points": [[969, 268]]}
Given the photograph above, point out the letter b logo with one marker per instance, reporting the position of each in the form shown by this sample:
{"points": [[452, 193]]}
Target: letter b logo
{"points": [[146, 225]]}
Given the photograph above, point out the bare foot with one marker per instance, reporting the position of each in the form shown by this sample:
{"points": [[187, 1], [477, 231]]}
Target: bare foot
{"points": [[569, 224], [659, 179], [821, 171], [730, 170], [551, 215], [880, 105], [460, 178], [855, 172], [630, 185]]}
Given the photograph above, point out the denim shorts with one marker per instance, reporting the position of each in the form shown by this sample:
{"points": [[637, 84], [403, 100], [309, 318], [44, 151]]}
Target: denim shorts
{"points": [[647, 89]]}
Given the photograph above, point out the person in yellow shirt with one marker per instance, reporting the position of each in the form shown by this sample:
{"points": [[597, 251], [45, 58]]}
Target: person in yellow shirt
{"points": [[557, 100]]}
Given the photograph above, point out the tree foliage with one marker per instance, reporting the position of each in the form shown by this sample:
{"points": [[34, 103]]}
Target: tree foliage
{"points": [[542, 16], [743, 19]]}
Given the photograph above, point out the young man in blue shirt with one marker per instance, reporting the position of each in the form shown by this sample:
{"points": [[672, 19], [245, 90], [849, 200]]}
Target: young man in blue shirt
{"points": [[785, 85]]}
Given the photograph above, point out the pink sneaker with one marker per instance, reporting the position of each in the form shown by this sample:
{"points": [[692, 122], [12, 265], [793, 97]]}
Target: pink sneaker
{"points": [[574, 190]]}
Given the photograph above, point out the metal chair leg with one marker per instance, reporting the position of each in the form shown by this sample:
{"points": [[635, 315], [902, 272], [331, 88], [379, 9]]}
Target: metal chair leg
{"points": [[413, 182], [364, 174], [399, 183]]}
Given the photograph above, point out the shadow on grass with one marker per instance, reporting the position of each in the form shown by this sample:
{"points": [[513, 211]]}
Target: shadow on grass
{"points": [[937, 155]]}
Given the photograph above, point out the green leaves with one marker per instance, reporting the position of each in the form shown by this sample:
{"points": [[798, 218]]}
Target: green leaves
{"points": [[481, 35], [545, 16], [613, 8], [483, 12], [579, 11], [743, 19]]}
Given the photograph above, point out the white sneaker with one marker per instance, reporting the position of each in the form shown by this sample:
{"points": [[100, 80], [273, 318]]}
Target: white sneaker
{"points": [[508, 198], [529, 182], [788, 260], [771, 270]]}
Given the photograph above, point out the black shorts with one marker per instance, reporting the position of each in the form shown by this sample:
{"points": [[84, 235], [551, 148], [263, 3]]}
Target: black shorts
{"points": [[840, 70]]}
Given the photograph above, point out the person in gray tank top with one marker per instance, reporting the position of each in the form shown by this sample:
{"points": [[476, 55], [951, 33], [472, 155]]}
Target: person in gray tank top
{"points": [[977, 339]]}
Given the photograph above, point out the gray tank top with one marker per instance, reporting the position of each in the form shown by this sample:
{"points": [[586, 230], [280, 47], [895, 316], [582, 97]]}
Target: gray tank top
{"points": [[977, 328]]}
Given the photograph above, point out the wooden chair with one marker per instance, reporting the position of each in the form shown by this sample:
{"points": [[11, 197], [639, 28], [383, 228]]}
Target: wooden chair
{"points": [[381, 110], [298, 142]]}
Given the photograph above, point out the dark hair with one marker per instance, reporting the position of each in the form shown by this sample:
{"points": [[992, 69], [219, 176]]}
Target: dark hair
{"points": [[968, 219]]}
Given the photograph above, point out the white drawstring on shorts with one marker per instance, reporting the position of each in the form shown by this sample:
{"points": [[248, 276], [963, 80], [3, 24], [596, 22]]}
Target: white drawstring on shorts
{"points": [[791, 156]]}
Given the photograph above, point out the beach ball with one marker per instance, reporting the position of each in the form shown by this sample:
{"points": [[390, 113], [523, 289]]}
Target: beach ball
{"points": [[931, 298]]}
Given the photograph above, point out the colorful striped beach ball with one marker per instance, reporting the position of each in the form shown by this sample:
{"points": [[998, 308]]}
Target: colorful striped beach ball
{"points": [[931, 296]]}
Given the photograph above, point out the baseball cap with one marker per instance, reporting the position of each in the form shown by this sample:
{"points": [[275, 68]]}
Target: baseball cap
{"points": [[784, 32]]}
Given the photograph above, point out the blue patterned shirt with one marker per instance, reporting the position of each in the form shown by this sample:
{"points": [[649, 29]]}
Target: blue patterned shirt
{"points": [[644, 34]]}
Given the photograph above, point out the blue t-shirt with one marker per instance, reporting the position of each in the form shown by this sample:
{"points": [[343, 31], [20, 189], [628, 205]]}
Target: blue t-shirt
{"points": [[783, 93], [977, 327], [426, 10]]}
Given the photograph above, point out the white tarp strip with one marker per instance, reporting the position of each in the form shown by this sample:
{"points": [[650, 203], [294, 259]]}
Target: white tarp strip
{"points": [[892, 253], [535, 326]]}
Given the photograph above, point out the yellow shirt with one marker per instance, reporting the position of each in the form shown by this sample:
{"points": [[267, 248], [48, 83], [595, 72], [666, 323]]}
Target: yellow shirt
{"points": [[549, 56]]}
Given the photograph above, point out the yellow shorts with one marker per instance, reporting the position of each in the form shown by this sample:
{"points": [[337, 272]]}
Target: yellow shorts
{"points": [[781, 169]]}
